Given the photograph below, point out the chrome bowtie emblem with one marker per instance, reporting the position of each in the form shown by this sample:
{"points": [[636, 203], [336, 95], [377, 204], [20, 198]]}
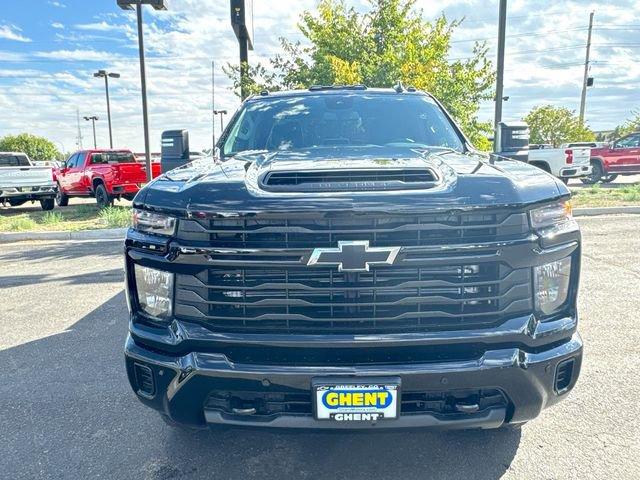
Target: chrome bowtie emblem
{"points": [[354, 256]]}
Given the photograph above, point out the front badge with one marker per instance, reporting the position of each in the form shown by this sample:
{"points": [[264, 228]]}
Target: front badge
{"points": [[354, 256]]}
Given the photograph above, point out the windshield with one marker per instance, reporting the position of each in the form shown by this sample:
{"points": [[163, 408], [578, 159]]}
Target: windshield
{"points": [[290, 123]]}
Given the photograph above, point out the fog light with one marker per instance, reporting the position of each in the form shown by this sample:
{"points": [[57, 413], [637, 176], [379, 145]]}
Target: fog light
{"points": [[551, 283], [155, 291]]}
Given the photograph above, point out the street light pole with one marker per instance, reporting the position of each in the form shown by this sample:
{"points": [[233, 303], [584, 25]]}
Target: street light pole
{"points": [[143, 81], [93, 121], [106, 75], [157, 5], [221, 113], [497, 118]]}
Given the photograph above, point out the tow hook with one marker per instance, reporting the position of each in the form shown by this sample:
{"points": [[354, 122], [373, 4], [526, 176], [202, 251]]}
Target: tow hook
{"points": [[467, 408], [244, 411]]}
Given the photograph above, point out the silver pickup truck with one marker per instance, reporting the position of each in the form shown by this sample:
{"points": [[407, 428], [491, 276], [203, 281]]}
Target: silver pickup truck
{"points": [[21, 181]]}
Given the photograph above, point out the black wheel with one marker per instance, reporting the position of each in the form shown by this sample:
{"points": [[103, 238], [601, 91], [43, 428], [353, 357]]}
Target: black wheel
{"points": [[609, 178], [47, 203], [61, 199], [102, 197], [596, 174], [16, 203]]}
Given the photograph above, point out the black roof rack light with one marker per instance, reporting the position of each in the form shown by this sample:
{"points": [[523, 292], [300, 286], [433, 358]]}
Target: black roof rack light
{"points": [[317, 88]]}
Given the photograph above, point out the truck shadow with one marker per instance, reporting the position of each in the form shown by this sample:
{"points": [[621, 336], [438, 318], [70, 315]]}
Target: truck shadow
{"points": [[68, 412]]}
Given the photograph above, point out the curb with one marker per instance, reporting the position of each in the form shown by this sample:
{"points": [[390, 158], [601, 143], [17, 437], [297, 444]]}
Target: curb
{"points": [[99, 234], [593, 211]]}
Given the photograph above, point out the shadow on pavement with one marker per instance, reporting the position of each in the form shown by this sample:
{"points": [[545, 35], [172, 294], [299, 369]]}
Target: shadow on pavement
{"points": [[61, 251], [115, 275], [68, 412]]}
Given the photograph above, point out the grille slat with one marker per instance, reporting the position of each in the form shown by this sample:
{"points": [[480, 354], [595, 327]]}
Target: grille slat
{"points": [[256, 278]]}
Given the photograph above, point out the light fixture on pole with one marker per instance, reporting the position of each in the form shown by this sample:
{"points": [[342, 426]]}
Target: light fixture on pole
{"points": [[93, 121], [106, 75], [157, 5], [221, 113]]}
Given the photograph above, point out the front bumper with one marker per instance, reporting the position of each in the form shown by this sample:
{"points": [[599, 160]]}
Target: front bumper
{"points": [[182, 383]]}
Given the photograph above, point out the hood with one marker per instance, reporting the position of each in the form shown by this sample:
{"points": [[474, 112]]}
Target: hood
{"points": [[465, 181]]}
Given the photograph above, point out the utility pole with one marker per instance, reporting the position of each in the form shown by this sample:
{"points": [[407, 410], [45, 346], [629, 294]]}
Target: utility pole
{"points": [[583, 99], [497, 118]]}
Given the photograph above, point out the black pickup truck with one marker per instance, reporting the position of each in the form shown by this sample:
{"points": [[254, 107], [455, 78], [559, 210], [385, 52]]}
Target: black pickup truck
{"points": [[350, 261]]}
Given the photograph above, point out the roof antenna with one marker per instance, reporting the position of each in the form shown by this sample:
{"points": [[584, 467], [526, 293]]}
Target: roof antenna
{"points": [[399, 88]]}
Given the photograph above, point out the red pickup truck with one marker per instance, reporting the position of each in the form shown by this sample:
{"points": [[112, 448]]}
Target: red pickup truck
{"points": [[103, 174], [621, 157]]}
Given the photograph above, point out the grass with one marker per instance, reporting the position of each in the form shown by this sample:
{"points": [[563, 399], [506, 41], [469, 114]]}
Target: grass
{"points": [[72, 218], [115, 217], [597, 196]]}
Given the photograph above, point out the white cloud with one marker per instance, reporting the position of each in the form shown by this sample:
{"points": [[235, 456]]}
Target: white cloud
{"points": [[102, 27], [11, 32], [57, 25], [56, 4]]}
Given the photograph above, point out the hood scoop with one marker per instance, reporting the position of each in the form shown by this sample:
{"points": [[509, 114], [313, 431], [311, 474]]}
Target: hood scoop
{"points": [[350, 180]]}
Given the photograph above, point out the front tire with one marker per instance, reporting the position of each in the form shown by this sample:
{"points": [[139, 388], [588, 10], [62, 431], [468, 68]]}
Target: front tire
{"points": [[103, 199], [47, 204], [61, 199]]}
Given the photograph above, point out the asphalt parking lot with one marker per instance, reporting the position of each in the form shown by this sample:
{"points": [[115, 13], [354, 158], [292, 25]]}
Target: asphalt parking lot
{"points": [[67, 410]]}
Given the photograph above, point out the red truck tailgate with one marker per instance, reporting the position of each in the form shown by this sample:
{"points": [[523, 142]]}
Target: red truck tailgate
{"points": [[133, 172]]}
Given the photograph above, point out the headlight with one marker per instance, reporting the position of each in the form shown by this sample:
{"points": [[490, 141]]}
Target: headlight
{"points": [[151, 222], [155, 291], [551, 284], [551, 215]]}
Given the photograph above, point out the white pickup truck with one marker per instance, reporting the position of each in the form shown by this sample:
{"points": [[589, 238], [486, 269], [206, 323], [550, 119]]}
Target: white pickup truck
{"points": [[564, 163], [21, 181]]}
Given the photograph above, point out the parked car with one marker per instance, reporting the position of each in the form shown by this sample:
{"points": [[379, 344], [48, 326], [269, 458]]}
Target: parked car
{"points": [[21, 181], [103, 174], [351, 261], [621, 157], [564, 162]]}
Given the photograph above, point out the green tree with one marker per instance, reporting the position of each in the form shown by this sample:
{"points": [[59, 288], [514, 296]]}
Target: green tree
{"points": [[556, 125], [629, 126], [391, 42], [37, 148]]}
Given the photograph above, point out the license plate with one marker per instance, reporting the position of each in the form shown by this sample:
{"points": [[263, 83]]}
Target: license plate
{"points": [[363, 401]]}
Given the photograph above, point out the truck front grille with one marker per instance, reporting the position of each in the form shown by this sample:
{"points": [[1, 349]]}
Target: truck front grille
{"points": [[257, 280]]}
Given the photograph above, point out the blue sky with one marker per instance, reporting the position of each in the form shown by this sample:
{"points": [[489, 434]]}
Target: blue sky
{"points": [[50, 48]]}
